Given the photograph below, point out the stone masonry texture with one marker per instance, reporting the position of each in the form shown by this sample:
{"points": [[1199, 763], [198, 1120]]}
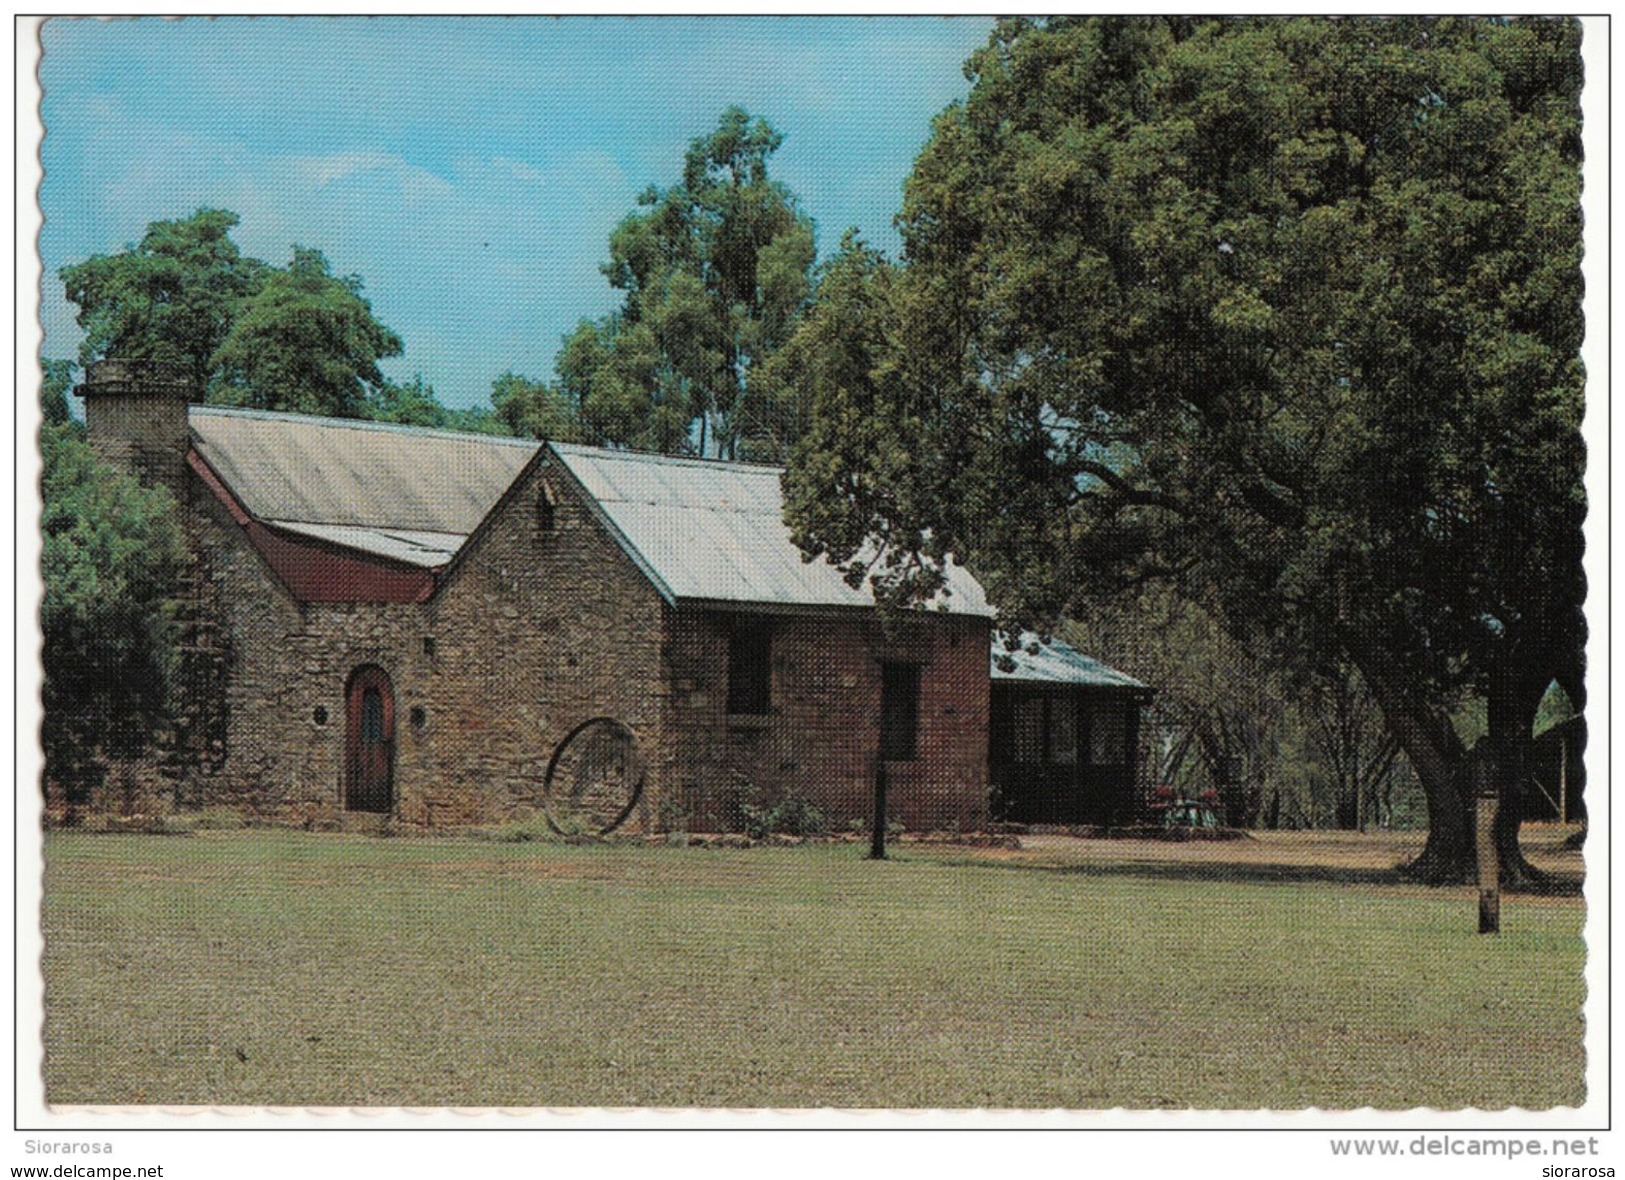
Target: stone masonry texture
{"points": [[537, 630], [541, 624], [821, 736]]}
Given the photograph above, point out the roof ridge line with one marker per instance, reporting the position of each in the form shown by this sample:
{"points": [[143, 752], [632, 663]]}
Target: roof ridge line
{"points": [[662, 457], [400, 428], [686, 506]]}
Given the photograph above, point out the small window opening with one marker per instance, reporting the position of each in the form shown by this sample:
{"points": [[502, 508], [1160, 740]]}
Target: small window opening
{"points": [[319, 715], [1063, 731], [750, 669], [372, 717], [1029, 730], [1108, 738], [1048, 731], [419, 717], [428, 646], [546, 508], [899, 712]]}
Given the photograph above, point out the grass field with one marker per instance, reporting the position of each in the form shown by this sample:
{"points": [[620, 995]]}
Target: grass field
{"points": [[280, 968]]}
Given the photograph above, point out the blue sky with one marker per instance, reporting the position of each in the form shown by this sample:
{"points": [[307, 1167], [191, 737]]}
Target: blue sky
{"points": [[469, 170]]}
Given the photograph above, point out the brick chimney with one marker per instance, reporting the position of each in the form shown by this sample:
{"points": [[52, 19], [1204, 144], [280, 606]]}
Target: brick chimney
{"points": [[135, 416]]}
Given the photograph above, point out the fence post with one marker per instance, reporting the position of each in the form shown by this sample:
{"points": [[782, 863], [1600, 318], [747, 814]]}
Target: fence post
{"points": [[877, 838], [1487, 799], [1562, 778]]}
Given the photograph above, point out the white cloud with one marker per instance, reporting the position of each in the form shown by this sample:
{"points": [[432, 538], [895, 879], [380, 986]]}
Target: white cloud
{"points": [[479, 272], [518, 169], [324, 170]]}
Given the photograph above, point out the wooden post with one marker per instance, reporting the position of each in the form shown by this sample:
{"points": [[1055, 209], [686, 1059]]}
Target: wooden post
{"points": [[877, 839], [1489, 869], [1562, 778], [1488, 803]]}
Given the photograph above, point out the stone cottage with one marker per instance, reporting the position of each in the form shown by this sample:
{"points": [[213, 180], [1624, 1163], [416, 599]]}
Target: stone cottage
{"points": [[450, 629]]}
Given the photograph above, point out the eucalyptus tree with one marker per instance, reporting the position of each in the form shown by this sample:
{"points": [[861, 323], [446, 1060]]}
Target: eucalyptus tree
{"points": [[306, 342], [715, 271]]}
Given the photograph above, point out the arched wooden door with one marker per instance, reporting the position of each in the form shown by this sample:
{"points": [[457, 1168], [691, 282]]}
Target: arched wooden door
{"points": [[369, 741]]}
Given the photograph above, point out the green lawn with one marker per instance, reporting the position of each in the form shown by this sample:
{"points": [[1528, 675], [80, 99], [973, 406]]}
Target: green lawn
{"points": [[292, 969]]}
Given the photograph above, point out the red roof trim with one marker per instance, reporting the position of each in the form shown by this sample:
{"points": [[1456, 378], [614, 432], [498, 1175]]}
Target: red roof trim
{"points": [[213, 482], [315, 572]]}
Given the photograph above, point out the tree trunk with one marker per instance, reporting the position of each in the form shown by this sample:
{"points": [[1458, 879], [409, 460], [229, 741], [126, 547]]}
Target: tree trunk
{"points": [[1440, 759], [1346, 806], [1514, 700], [1447, 857], [1437, 753]]}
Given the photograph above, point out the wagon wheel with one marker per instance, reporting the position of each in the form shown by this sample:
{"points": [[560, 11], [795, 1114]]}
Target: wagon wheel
{"points": [[594, 778]]}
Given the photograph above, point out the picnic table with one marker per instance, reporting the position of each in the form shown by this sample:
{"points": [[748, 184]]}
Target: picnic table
{"points": [[1188, 813]]}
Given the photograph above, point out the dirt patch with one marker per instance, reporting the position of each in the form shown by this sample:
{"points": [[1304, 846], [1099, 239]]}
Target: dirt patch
{"points": [[1372, 858], [1350, 850], [528, 869]]}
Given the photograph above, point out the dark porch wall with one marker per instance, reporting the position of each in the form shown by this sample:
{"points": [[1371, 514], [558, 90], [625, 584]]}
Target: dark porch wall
{"points": [[1047, 791], [540, 629], [821, 735]]}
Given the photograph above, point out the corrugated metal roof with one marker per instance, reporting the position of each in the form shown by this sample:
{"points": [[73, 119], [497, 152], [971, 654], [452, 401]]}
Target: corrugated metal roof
{"points": [[362, 475], [714, 532], [703, 530], [1057, 663], [429, 550]]}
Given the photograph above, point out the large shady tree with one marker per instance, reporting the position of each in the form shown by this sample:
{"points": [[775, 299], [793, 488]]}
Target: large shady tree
{"points": [[1284, 312]]}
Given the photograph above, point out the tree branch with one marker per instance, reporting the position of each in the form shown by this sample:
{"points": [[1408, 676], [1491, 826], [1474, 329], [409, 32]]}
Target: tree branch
{"points": [[1131, 493], [1271, 506]]}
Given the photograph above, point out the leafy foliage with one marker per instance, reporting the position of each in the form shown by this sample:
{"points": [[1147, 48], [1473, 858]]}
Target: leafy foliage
{"points": [[790, 815], [1355, 749], [415, 403], [243, 332], [715, 272], [1286, 312], [531, 409], [170, 298], [306, 342], [1556, 707], [1284, 743], [410, 404], [56, 382], [853, 486], [111, 552]]}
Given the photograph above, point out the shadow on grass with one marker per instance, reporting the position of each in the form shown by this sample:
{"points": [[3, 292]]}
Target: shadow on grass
{"points": [[1242, 872]]}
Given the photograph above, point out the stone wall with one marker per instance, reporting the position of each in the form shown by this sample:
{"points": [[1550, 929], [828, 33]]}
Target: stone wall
{"points": [[544, 624], [821, 737], [135, 418]]}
